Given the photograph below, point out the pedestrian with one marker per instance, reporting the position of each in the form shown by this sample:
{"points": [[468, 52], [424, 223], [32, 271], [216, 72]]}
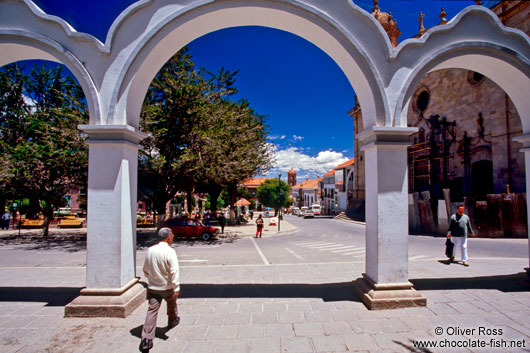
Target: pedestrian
{"points": [[459, 227], [251, 214], [206, 218], [6, 217], [161, 269], [222, 222], [259, 226]]}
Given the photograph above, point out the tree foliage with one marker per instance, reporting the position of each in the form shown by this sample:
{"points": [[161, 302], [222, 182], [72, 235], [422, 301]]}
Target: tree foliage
{"points": [[272, 194], [199, 139], [43, 154]]}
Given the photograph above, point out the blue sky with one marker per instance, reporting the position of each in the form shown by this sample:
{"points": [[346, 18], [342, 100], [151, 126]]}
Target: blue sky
{"points": [[302, 91]]}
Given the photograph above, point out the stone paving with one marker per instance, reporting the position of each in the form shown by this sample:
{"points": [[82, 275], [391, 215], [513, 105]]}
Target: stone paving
{"points": [[279, 308]]}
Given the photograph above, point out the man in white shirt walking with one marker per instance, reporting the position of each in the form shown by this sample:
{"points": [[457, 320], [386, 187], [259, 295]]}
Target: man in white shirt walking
{"points": [[161, 269]]}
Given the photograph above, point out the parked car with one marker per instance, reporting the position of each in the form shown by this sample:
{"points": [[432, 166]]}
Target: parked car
{"points": [[303, 209], [190, 228], [317, 211], [309, 213]]}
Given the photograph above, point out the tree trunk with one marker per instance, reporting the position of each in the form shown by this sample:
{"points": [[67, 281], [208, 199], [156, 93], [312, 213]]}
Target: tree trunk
{"points": [[189, 197], [233, 196], [161, 212], [214, 193], [48, 216]]}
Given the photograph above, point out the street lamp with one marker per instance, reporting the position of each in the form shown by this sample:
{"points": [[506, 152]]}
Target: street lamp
{"points": [[279, 204]]}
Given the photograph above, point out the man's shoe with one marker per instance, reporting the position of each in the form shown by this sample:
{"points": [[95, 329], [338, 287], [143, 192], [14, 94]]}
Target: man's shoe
{"points": [[452, 259], [173, 323], [146, 345], [465, 264]]}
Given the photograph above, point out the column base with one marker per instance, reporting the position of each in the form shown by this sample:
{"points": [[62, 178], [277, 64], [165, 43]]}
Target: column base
{"points": [[387, 296], [107, 302]]}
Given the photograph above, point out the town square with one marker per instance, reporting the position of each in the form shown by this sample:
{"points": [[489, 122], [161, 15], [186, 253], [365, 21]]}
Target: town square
{"points": [[398, 222]]}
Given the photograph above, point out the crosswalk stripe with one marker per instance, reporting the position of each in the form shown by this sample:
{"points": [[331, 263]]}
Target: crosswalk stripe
{"points": [[417, 257], [347, 248], [329, 248], [320, 245], [355, 253], [308, 243]]}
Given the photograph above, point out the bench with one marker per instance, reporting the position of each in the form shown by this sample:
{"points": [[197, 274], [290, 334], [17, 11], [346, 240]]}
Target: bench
{"points": [[32, 223], [71, 223], [144, 223]]}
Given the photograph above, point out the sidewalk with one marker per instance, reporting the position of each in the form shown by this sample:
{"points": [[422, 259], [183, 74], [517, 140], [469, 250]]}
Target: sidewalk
{"points": [[248, 229], [279, 308]]}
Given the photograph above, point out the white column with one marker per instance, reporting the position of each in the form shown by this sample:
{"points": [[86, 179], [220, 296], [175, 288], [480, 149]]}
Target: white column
{"points": [[525, 140], [111, 224], [385, 283]]}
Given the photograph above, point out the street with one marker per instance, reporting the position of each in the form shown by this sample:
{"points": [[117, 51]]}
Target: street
{"points": [[290, 292]]}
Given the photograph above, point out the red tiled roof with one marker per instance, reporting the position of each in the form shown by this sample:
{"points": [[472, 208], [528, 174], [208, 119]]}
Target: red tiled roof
{"points": [[242, 202], [308, 184], [253, 182], [331, 172], [346, 164]]}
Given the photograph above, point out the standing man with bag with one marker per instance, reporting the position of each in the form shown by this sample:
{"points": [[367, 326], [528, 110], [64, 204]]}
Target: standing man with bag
{"points": [[459, 227], [161, 269]]}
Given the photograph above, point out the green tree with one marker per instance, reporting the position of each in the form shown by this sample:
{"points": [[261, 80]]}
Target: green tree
{"points": [[273, 195], [199, 140], [48, 156]]}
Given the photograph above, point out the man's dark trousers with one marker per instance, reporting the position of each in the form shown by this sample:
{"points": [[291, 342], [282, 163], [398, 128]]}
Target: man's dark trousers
{"points": [[155, 299]]}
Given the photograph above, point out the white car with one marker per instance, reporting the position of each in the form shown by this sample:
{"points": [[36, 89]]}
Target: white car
{"points": [[295, 211], [303, 209], [309, 213]]}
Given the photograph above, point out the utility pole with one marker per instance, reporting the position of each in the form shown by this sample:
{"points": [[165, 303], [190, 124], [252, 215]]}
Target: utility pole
{"points": [[279, 203]]}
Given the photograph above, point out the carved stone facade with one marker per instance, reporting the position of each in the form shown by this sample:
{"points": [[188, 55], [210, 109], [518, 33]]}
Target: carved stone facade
{"points": [[479, 122]]}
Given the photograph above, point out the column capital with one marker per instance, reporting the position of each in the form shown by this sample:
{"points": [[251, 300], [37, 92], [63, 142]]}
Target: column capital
{"points": [[385, 135], [525, 141], [112, 133]]}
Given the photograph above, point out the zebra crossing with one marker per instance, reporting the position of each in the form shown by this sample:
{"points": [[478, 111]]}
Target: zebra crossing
{"points": [[335, 248]]}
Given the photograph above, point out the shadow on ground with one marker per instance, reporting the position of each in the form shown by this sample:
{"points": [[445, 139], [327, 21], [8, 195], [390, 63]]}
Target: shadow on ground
{"points": [[519, 282], [147, 238], [411, 347], [327, 292], [52, 296], [160, 332]]}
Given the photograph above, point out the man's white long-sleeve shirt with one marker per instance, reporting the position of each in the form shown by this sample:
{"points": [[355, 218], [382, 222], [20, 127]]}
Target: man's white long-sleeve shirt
{"points": [[161, 267]]}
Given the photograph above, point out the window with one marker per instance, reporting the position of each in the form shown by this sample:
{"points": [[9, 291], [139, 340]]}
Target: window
{"points": [[423, 101], [475, 78]]}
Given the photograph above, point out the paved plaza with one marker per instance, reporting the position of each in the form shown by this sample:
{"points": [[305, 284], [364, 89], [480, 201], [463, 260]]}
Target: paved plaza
{"points": [[302, 307]]}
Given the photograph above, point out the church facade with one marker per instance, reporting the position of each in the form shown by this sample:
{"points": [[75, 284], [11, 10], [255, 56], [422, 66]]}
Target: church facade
{"points": [[464, 145]]}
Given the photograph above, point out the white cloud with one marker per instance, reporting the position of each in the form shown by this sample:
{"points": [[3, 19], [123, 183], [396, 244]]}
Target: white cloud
{"points": [[277, 137], [298, 138], [292, 157]]}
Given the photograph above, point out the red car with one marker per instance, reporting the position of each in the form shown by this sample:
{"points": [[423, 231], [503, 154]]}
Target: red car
{"points": [[185, 227]]}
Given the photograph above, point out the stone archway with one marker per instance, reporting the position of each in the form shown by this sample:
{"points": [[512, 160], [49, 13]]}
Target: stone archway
{"points": [[505, 60], [116, 76]]}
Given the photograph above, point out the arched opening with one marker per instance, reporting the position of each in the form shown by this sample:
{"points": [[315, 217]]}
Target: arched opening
{"points": [[176, 33], [287, 104], [465, 150], [22, 47]]}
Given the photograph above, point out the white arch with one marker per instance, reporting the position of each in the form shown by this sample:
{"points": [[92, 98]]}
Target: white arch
{"points": [[508, 70], [17, 45], [175, 29], [474, 40]]}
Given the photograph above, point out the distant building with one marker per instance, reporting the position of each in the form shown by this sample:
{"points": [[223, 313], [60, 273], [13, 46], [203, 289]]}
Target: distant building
{"points": [[291, 177], [252, 185], [306, 193]]}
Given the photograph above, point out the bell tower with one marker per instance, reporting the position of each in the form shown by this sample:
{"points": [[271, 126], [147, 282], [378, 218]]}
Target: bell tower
{"points": [[291, 177]]}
